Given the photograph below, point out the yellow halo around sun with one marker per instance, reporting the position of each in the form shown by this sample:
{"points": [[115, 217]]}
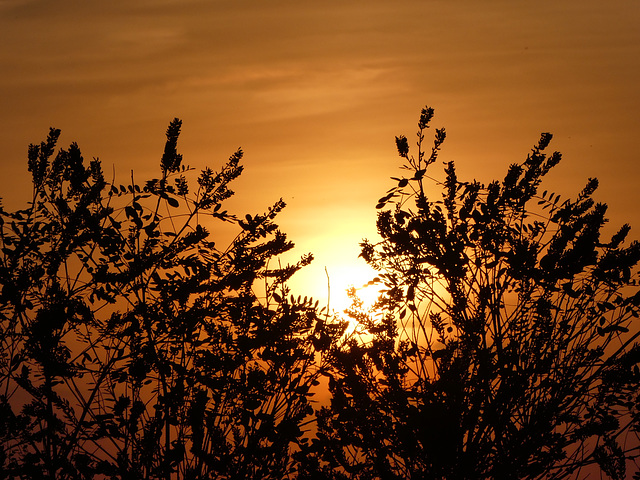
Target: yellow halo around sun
{"points": [[342, 278]]}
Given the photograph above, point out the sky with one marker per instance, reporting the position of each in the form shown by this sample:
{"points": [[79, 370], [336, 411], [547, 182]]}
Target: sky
{"points": [[315, 92]]}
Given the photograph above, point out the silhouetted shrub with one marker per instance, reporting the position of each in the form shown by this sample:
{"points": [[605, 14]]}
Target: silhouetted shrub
{"points": [[133, 346], [504, 344]]}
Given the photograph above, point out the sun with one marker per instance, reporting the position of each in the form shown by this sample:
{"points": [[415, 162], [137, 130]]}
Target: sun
{"points": [[329, 284], [342, 278]]}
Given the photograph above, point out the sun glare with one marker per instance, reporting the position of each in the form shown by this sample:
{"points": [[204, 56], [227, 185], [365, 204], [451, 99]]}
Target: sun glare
{"points": [[342, 278]]}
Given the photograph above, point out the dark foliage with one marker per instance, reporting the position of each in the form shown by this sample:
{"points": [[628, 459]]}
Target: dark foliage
{"points": [[504, 344], [132, 346]]}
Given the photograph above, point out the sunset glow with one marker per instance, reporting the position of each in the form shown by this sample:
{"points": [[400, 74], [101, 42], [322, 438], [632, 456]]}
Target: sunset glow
{"points": [[153, 319], [315, 95]]}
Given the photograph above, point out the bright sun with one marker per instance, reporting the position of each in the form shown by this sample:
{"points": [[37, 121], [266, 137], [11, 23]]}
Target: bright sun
{"points": [[340, 278]]}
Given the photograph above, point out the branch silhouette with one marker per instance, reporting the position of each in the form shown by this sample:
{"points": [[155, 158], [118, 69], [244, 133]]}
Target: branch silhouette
{"points": [[132, 345], [504, 344]]}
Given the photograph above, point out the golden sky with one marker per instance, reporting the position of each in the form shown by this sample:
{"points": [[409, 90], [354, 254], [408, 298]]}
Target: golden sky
{"points": [[314, 93]]}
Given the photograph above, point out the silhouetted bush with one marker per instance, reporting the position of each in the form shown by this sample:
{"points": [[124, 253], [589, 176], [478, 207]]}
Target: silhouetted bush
{"points": [[134, 347], [504, 344]]}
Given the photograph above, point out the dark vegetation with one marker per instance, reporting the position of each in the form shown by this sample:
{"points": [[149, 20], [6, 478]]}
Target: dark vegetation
{"points": [[503, 345], [135, 347]]}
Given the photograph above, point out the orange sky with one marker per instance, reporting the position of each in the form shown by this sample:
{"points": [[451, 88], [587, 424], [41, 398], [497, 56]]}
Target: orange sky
{"points": [[314, 92]]}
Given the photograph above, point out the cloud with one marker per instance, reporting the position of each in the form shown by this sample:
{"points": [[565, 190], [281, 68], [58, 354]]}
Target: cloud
{"points": [[316, 91]]}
